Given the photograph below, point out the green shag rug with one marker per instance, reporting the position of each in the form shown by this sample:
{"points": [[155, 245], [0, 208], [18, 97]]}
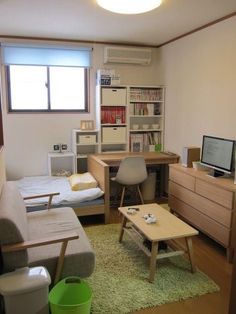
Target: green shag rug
{"points": [[119, 282]]}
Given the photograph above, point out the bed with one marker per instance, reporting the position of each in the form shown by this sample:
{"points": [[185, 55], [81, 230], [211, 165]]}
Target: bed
{"points": [[86, 202]]}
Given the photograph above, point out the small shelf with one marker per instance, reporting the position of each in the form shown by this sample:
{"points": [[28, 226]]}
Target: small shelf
{"points": [[146, 116], [146, 130], [146, 101], [86, 144]]}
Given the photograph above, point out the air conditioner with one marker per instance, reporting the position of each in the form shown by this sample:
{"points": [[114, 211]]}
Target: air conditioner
{"points": [[114, 54]]}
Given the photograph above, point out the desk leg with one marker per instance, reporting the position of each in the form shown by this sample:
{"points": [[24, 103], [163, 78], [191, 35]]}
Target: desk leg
{"points": [[123, 224], [190, 253], [153, 261]]}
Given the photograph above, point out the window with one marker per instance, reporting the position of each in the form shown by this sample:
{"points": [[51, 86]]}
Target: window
{"points": [[43, 88], [48, 79]]}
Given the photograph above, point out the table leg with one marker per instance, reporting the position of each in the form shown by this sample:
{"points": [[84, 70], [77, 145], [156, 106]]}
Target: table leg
{"points": [[153, 261], [190, 253], [123, 224]]}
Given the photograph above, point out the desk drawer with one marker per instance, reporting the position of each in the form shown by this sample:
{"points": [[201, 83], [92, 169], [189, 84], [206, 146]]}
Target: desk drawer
{"points": [[204, 223], [211, 209], [182, 179], [214, 193]]}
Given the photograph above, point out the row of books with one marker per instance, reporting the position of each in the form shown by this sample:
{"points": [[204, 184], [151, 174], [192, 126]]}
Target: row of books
{"points": [[112, 115], [144, 109], [141, 142], [145, 94]]}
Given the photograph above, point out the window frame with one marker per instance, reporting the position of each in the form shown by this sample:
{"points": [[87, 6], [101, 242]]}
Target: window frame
{"points": [[49, 110]]}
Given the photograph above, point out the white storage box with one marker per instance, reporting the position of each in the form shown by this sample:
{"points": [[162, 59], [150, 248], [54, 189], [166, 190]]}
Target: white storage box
{"points": [[26, 290], [114, 96], [114, 134], [87, 139]]}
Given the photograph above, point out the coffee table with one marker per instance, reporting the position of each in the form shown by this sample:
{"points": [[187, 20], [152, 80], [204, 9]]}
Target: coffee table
{"points": [[167, 228]]}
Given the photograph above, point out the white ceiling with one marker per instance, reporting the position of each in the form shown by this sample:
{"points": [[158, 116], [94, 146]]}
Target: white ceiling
{"points": [[84, 20]]}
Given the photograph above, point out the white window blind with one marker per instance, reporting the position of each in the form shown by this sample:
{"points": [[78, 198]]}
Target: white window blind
{"points": [[15, 54]]}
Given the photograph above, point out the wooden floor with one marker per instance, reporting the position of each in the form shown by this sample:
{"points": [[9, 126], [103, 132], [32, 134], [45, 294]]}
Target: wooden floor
{"points": [[211, 259]]}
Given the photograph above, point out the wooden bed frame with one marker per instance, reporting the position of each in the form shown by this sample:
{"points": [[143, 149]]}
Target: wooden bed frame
{"points": [[100, 171]]}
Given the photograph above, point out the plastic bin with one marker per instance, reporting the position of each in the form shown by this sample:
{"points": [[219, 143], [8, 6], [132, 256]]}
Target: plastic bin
{"points": [[26, 290], [70, 295]]}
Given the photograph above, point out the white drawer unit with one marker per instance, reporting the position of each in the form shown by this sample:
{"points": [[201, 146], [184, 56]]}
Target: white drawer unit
{"points": [[113, 134], [114, 97], [87, 139]]}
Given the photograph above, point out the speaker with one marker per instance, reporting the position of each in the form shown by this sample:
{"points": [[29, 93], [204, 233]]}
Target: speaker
{"points": [[190, 154]]}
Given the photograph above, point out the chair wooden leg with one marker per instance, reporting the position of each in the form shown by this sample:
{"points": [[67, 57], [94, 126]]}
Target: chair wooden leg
{"points": [[122, 196], [140, 194]]}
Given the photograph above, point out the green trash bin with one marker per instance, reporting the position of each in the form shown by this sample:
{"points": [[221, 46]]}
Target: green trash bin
{"points": [[70, 295]]}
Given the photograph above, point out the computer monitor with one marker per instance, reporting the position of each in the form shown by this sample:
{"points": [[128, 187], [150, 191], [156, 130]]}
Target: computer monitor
{"points": [[218, 154]]}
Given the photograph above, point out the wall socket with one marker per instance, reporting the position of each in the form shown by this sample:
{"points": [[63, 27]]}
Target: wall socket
{"points": [[59, 147]]}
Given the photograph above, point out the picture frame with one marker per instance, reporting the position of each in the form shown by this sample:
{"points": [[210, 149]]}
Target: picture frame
{"points": [[87, 125]]}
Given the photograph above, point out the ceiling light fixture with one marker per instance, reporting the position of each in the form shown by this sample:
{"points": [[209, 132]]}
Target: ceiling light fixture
{"points": [[129, 6]]}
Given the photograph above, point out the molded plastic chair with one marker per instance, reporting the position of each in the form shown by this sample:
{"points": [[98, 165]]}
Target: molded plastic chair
{"points": [[132, 171]]}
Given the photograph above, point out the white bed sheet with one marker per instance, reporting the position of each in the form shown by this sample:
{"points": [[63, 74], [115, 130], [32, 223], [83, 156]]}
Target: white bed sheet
{"points": [[45, 184]]}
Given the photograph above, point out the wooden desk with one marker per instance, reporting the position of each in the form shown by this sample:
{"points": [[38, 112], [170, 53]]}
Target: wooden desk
{"points": [[151, 158], [205, 202]]}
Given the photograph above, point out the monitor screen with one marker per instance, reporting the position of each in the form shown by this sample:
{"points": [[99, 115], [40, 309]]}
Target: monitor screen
{"points": [[218, 153]]}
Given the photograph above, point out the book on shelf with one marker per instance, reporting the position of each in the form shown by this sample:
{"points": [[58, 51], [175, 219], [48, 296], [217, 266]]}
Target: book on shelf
{"points": [[136, 142], [110, 114], [141, 142]]}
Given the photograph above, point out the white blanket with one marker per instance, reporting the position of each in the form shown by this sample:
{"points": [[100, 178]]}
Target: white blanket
{"points": [[45, 184]]}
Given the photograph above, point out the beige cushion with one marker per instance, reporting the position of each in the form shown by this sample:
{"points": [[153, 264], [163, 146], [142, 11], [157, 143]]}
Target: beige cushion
{"points": [[82, 181], [80, 257]]}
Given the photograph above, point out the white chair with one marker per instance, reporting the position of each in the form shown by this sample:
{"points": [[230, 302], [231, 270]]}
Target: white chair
{"points": [[132, 172]]}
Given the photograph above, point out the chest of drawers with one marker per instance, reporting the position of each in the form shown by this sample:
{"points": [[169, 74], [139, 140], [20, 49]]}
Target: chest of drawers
{"points": [[205, 202]]}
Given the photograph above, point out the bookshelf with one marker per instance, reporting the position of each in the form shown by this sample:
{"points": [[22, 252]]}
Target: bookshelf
{"points": [[146, 118], [112, 118], [130, 118]]}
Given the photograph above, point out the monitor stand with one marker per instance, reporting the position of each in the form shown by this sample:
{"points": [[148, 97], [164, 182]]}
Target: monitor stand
{"points": [[216, 173]]}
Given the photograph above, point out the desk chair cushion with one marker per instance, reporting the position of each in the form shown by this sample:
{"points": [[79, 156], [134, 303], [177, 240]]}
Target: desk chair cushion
{"points": [[132, 171], [13, 225], [80, 257]]}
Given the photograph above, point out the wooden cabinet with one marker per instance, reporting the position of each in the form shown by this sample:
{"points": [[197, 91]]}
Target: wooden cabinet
{"points": [[205, 202]]}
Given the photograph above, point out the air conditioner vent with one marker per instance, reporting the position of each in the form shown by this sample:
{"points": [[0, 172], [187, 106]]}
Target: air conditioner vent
{"points": [[115, 54]]}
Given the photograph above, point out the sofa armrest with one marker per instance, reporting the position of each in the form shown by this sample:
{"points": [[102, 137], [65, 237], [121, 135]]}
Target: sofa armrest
{"points": [[49, 195], [64, 239]]}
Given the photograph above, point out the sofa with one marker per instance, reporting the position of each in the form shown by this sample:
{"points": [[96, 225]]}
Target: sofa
{"points": [[53, 238]]}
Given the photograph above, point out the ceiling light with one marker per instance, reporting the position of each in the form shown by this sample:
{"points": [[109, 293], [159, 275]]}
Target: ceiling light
{"points": [[129, 6]]}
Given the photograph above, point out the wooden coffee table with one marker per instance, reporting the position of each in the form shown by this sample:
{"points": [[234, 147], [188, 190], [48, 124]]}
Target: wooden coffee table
{"points": [[167, 228]]}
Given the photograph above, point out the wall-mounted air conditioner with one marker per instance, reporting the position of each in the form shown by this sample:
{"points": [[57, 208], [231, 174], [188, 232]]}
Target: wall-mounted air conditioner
{"points": [[114, 54]]}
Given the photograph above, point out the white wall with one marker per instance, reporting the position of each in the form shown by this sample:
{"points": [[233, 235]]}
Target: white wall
{"points": [[29, 137], [200, 74]]}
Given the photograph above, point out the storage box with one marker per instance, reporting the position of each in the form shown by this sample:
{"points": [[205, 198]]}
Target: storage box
{"points": [[114, 96], [87, 139], [114, 135]]}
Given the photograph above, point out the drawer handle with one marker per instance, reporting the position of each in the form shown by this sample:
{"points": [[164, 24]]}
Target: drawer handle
{"points": [[114, 90], [114, 128]]}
